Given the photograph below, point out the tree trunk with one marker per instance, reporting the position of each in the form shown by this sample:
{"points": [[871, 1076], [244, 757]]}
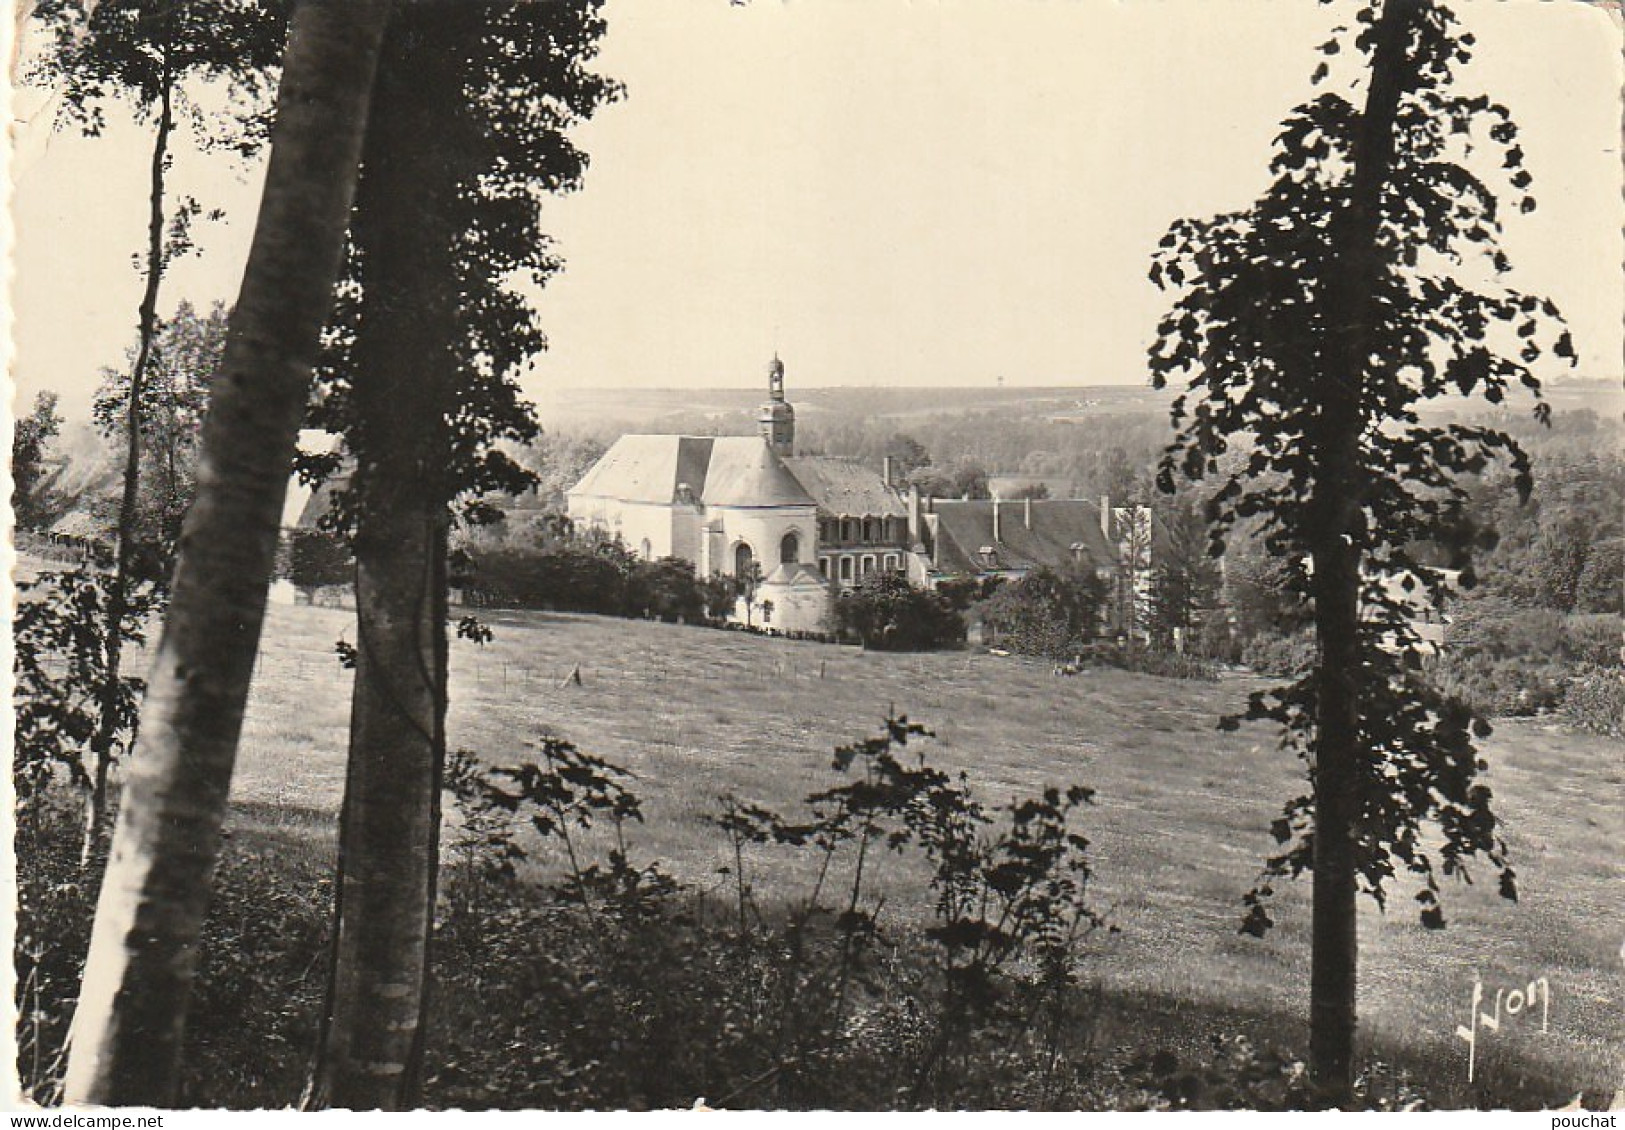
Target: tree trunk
{"points": [[1339, 532], [404, 358], [128, 1029], [118, 593]]}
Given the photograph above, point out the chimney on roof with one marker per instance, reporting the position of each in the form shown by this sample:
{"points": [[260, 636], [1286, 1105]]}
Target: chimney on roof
{"points": [[1106, 517], [914, 537], [996, 530], [886, 470], [1027, 512]]}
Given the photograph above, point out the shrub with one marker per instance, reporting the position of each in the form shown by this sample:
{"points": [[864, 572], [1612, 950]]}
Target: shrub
{"points": [[611, 986], [1153, 661], [55, 902], [886, 613], [252, 1021], [1595, 701], [60, 665], [1502, 659], [1270, 654], [1047, 614], [1514, 686], [1602, 583], [593, 575], [1218, 641], [317, 558], [569, 579], [666, 589]]}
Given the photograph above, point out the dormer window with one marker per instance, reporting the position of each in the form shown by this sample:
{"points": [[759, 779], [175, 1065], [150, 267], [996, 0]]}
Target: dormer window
{"points": [[988, 556]]}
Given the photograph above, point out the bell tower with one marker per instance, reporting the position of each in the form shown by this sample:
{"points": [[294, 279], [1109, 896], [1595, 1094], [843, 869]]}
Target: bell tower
{"points": [[777, 420]]}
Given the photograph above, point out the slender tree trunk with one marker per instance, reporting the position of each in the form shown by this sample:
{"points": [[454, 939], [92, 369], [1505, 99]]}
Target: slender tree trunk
{"points": [[1339, 533], [118, 595], [127, 1032], [371, 1047]]}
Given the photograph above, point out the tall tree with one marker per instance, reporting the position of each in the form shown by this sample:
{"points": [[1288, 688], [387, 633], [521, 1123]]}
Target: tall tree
{"points": [[430, 340], [184, 356], [30, 439], [1184, 588], [128, 1027], [144, 53], [1365, 280]]}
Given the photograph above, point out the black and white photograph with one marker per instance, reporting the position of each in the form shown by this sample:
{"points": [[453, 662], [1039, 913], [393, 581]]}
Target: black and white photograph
{"points": [[816, 555]]}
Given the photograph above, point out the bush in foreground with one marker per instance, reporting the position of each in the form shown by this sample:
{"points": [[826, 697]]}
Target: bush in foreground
{"points": [[567, 975]]}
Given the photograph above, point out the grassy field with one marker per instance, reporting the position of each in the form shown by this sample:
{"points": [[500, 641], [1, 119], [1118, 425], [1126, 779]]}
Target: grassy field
{"points": [[1179, 827]]}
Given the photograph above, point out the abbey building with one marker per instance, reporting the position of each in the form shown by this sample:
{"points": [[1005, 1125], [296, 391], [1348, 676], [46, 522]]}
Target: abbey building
{"points": [[803, 526]]}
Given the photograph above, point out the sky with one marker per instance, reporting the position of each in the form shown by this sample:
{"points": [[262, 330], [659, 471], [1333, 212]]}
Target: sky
{"points": [[884, 192]]}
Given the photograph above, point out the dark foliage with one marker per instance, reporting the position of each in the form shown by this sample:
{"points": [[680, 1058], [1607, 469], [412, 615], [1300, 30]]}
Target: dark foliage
{"points": [[1047, 614], [185, 352], [31, 505], [132, 49], [1164, 663], [1289, 655], [522, 81], [886, 613], [60, 667], [817, 1003], [316, 558], [965, 479], [1185, 578], [569, 574], [1507, 660], [259, 986], [1595, 701], [1347, 474]]}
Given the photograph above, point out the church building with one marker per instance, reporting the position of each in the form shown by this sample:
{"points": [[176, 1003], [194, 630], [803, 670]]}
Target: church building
{"points": [[748, 506], [801, 527]]}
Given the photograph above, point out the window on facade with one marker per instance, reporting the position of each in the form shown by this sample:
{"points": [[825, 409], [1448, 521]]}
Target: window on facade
{"points": [[891, 562], [868, 529], [823, 567], [743, 560], [790, 548], [867, 566], [846, 568], [648, 550]]}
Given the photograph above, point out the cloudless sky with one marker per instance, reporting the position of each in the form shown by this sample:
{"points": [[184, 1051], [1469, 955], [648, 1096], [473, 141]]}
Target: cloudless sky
{"points": [[885, 192]]}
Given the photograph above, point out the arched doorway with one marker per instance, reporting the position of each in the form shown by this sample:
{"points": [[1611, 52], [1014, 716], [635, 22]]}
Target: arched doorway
{"points": [[744, 559], [790, 548]]}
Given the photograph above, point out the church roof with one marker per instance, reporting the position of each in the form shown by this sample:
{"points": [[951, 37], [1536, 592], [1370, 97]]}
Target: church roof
{"points": [[721, 470], [795, 573], [639, 468], [845, 486], [963, 528], [744, 471]]}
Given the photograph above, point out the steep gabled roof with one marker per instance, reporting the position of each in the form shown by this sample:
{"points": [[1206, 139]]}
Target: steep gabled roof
{"points": [[963, 528], [845, 487], [643, 468], [720, 470], [745, 472]]}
